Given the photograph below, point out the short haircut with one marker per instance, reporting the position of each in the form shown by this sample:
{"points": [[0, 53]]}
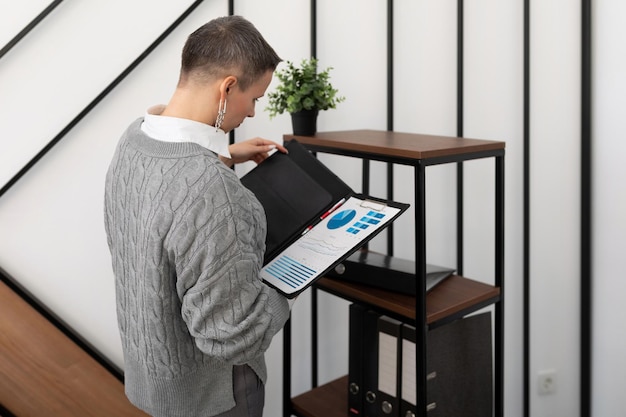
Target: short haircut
{"points": [[229, 45]]}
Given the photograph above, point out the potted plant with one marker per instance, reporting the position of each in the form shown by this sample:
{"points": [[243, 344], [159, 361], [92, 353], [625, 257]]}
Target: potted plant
{"points": [[303, 92]]}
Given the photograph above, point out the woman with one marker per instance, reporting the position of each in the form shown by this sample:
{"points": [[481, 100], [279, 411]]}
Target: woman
{"points": [[187, 239]]}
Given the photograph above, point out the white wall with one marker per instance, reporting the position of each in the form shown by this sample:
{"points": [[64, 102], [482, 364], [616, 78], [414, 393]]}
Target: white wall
{"points": [[609, 208], [555, 202], [63, 64], [14, 19], [57, 248], [493, 103], [51, 235]]}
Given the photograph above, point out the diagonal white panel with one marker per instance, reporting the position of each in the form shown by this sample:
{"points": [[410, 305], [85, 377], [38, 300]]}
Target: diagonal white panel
{"points": [[13, 19], [54, 214], [64, 63]]}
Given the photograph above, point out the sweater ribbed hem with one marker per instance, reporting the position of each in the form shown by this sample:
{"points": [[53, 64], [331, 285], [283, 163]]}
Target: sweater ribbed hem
{"points": [[208, 391]]}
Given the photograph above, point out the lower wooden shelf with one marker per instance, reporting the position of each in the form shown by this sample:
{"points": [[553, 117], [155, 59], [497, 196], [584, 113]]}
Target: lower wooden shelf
{"points": [[328, 400], [453, 298], [456, 295]]}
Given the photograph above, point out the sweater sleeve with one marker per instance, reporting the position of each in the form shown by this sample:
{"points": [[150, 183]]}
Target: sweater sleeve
{"points": [[234, 322], [231, 314]]}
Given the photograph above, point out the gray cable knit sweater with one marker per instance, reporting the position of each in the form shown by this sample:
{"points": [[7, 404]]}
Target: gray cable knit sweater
{"points": [[187, 243]]}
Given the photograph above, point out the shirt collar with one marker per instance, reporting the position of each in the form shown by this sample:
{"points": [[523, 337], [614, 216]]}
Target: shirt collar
{"points": [[174, 129]]}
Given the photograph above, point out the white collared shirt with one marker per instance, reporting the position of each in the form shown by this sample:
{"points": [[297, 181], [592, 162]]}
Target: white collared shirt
{"points": [[174, 129]]}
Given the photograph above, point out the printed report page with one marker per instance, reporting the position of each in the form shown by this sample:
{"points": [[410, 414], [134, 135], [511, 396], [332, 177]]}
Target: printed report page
{"points": [[346, 228]]}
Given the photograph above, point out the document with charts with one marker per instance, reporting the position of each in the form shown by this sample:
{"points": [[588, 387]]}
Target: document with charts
{"points": [[338, 234]]}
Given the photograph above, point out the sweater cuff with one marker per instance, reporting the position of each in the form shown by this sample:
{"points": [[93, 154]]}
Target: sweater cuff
{"points": [[280, 306]]}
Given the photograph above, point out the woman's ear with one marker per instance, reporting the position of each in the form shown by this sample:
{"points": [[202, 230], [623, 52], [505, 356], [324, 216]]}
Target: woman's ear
{"points": [[227, 84]]}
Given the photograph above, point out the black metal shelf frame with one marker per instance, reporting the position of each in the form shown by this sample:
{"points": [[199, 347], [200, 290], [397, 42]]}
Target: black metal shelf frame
{"points": [[419, 166]]}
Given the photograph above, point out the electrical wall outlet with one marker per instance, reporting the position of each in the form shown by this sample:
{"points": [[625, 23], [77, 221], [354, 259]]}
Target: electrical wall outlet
{"points": [[546, 382]]}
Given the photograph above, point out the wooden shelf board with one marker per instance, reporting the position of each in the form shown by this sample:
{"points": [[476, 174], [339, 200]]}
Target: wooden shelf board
{"points": [[328, 400], [397, 144], [454, 295]]}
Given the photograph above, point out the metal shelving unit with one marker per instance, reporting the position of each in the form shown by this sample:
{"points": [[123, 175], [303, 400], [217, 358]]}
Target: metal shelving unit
{"points": [[453, 299]]}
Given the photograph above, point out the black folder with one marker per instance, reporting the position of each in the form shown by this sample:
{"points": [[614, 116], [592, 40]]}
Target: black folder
{"points": [[294, 189], [387, 272], [460, 374], [299, 194], [356, 361], [370, 364], [389, 366]]}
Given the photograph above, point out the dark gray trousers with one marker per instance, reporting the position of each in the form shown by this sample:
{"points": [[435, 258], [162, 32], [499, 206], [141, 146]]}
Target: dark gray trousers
{"points": [[249, 394]]}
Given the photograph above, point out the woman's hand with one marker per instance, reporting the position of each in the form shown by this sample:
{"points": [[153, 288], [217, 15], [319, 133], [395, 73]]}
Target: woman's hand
{"points": [[256, 149]]}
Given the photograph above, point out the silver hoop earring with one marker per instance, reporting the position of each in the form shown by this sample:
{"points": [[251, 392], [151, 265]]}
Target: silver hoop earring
{"points": [[221, 112]]}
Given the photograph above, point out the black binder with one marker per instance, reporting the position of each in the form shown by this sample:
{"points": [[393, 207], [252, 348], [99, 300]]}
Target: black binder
{"points": [[459, 362], [408, 385], [387, 272], [389, 366], [370, 364], [314, 219], [459, 367], [356, 352]]}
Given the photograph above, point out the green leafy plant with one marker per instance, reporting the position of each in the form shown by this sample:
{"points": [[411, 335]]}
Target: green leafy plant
{"points": [[302, 88]]}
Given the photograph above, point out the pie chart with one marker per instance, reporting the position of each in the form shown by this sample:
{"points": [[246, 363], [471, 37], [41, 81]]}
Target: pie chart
{"points": [[341, 219]]}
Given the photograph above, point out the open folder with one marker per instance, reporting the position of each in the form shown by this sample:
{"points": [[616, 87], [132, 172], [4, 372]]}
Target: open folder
{"points": [[314, 220]]}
